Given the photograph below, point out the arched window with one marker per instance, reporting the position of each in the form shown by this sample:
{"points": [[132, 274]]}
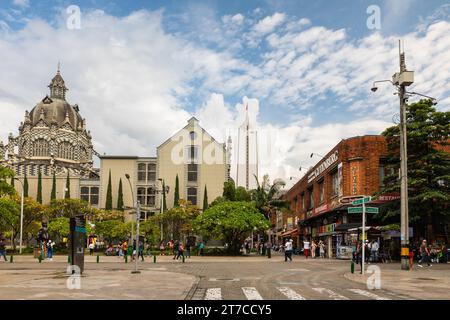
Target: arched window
{"points": [[40, 148], [83, 154], [65, 150]]}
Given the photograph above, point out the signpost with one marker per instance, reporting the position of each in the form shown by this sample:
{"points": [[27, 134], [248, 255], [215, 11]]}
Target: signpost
{"points": [[363, 209]]}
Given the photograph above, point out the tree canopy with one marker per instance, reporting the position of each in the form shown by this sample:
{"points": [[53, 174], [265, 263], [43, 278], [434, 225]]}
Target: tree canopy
{"points": [[230, 221]]}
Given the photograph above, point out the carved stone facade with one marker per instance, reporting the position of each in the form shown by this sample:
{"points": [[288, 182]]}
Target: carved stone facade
{"points": [[52, 139]]}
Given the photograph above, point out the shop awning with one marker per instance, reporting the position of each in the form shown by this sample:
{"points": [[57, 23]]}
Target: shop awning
{"points": [[347, 226], [293, 232]]}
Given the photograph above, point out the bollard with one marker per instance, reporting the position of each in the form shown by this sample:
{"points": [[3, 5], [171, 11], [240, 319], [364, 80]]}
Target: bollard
{"points": [[154, 258], [98, 258], [11, 259], [183, 258], [269, 254], [68, 259], [352, 267], [126, 258], [40, 258]]}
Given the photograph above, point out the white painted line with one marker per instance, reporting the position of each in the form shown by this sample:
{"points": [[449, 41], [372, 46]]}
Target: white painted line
{"points": [[331, 294], [213, 294], [368, 294], [298, 269], [215, 279], [291, 294], [251, 293]]}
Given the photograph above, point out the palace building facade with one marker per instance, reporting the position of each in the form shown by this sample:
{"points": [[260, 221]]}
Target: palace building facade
{"points": [[53, 140]]}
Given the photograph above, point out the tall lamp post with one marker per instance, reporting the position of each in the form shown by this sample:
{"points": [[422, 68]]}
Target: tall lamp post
{"points": [[138, 217], [401, 80], [21, 217], [161, 209]]}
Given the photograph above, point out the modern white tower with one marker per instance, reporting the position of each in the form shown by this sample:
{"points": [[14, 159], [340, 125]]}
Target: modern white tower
{"points": [[247, 154]]}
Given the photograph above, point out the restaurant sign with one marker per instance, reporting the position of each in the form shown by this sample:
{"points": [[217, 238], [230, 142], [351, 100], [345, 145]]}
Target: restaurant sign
{"points": [[323, 166], [321, 209]]}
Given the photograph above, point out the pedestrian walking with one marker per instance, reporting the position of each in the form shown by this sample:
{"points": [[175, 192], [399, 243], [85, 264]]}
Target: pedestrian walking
{"points": [[306, 248], [288, 250], [161, 248], [91, 248], [188, 249], [50, 245], [180, 251], [124, 249], [269, 249], [374, 247], [201, 247], [170, 244], [321, 249], [3, 249], [175, 249], [313, 249], [141, 250], [424, 254]]}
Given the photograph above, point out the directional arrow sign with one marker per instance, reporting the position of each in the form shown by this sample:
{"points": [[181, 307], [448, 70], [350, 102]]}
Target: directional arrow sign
{"points": [[360, 209], [361, 201]]}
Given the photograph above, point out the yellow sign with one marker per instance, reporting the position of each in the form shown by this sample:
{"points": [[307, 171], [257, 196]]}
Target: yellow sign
{"points": [[405, 252]]}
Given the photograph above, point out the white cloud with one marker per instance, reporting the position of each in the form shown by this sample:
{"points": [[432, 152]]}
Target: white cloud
{"points": [[21, 3], [269, 23]]}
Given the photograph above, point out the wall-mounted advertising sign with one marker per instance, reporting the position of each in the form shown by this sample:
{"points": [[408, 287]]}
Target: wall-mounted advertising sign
{"points": [[323, 166]]}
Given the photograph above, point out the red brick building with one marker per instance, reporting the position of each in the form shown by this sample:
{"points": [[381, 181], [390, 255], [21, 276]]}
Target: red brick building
{"points": [[319, 201]]}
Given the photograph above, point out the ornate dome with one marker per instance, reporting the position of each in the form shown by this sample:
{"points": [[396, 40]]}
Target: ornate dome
{"points": [[55, 110]]}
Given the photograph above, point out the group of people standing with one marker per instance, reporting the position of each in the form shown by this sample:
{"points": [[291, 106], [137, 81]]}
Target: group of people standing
{"points": [[370, 251]]}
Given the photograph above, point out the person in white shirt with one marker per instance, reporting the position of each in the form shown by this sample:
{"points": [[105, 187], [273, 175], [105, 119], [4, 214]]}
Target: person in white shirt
{"points": [[374, 251], [288, 250], [306, 246]]}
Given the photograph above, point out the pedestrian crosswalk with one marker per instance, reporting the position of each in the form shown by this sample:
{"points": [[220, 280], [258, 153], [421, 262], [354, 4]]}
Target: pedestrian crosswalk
{"points": [[251, 293]]}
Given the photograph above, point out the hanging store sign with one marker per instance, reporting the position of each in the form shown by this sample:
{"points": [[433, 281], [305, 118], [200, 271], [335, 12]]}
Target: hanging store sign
{"points": [[321, 209], [323, 166]]}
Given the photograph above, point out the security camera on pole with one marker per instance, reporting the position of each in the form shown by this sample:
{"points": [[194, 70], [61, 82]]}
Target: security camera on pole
{"points": [[401, 80]]}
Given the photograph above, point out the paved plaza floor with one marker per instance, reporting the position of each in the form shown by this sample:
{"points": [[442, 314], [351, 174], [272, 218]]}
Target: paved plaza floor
{"points": [[213, 278]]}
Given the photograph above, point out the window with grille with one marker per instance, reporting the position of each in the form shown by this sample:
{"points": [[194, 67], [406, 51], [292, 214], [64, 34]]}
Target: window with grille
{"points": [[192, 172], [192, 195], [146, 172], [40, 148], [334, 183], [321, 191], [311, 198], [90, 194], [147, 196], [151, 173], [65, 150]]}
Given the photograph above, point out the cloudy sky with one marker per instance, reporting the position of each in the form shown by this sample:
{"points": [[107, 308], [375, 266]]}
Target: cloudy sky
{"points": [[140, 69]]}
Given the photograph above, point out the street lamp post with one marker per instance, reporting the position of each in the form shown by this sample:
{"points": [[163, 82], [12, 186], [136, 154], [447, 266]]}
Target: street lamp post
{"points": [[138, 214], [401, 80], [21, 217]]}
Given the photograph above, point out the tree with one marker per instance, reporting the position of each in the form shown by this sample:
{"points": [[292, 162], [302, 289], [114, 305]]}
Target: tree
{"points": [[217, 201], [120, 197], [9, 214], [177, 221], [428, 134], [205, 199], [112, 230], [39, 187], [164, 196], [70, 208], [60, 228], [266, 196], [6, 188], [150, 230], [25, 185], [108, 204], [53, 194], [67, 194], [229, 190], [231, 221], [242, 195], [176, 197]]}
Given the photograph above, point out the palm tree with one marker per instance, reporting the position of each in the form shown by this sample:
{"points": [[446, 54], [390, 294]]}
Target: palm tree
{"points": [[267, 196]]}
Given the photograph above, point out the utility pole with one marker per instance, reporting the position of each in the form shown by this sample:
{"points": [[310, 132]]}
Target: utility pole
{"points": [[404, 219]]}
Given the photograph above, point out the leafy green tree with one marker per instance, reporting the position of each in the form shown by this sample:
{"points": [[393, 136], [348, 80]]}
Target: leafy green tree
{"points": [[112, 230], [205, 199], [59, 228], [428, 134], [150, 230], [53, 194], [231, 221], [242, 195], [39, 187], [25, 185], [108, 204], [120, 197], [70, 208], [9, 214], [176, 197], [67, 194], [229, 190], [5, 187], [217, 201]]}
